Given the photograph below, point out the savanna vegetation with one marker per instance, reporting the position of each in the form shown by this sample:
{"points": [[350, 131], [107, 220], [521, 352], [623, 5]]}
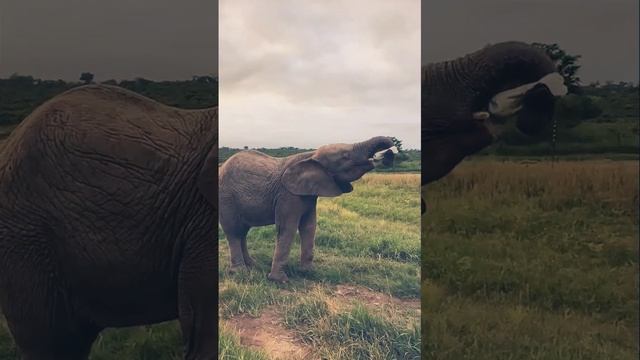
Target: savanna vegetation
{"points": [[361, 301], [532, 260]]}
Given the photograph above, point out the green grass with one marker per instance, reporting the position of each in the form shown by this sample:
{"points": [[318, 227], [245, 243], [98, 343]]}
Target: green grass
{"points": [[358, 333], [162, 341], [368, 238], [532, 261]]}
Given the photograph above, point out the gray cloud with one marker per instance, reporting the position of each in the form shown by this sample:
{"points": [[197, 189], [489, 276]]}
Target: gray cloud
{"points": [[155, 39], [604, 32], [307, 74]]}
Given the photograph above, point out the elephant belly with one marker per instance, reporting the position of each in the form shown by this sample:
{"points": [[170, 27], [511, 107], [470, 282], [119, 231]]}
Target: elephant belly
{"points": [[247, 209], [127, 303], [252, 217]]}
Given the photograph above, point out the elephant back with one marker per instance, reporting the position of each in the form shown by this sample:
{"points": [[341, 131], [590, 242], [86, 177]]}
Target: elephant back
{"points": [[106, 151]]}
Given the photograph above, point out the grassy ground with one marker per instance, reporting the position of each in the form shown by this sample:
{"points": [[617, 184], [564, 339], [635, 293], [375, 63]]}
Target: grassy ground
{"points": [[361, 302], [532, 261]]}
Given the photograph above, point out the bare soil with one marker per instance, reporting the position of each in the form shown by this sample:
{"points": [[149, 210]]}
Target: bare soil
{"points": [[267, 334]]}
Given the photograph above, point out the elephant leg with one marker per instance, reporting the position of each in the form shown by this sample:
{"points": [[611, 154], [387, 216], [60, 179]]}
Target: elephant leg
{"points": [[286, 227], [307, 229], [197, 298], [237, 237], [39, 310], [248, 260], [235, 248]]}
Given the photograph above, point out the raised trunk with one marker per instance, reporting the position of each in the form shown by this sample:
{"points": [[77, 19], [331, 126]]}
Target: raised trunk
{"points": [[507, 65], [366, 149], [480, 75]]}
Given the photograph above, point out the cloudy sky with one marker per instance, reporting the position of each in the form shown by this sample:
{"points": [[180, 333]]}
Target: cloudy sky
{"points": [[305, 74], [115, 39], [604, 32]]}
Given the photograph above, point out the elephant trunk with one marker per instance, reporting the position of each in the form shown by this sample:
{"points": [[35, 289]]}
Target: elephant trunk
{"points": [[506, 66], [484, 73], [366, 149]]}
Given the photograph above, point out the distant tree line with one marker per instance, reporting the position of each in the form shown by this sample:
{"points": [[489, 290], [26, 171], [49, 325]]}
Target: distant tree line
{"points": [[406, 160], [593, 118], [21, 94]]}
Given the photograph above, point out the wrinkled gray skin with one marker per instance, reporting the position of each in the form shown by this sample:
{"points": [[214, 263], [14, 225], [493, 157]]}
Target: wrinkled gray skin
{"points": [[108, 212], [452, 91], [256, 189]]}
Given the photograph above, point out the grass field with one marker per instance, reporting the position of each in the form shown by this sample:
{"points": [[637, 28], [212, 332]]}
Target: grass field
{"points": [[532, 260], [361, 302]]}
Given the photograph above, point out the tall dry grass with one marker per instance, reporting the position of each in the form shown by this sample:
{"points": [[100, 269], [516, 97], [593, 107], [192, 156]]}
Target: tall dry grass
{"points": [[409, 180], [527, 260], [613, 184]]}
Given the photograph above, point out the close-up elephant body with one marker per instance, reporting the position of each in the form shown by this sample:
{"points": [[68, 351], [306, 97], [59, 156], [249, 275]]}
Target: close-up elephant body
{"points": [[108, 212], [256, 189], [460, 97]]}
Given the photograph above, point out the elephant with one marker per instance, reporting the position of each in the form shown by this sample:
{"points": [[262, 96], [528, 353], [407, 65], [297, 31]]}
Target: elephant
{"points": [[256, 189], [460, 97], [108, 211]]}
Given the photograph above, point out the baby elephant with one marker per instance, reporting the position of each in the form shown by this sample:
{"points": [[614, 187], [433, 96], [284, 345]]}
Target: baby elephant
{"points": [[256, 189]]}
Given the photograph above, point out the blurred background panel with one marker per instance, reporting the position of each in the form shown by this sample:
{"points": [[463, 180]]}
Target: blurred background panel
{"points": [[530, 245]]}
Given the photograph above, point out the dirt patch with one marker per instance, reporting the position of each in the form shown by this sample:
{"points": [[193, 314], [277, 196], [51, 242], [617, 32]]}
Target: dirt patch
{"points": [[267, 334], [374, 298]]}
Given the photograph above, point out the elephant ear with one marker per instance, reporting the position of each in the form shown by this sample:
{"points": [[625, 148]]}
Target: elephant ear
{"points": [[208, 176], [309, 177]]}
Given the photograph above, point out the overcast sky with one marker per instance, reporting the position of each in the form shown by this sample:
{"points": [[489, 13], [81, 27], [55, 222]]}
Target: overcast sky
{"points": [[114, 39], [305, 73], [604, 32], [300, 73]]}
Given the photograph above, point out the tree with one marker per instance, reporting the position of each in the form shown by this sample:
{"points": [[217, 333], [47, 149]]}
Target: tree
{"points": [[397, 143], [567, 65], [401, 155], [86, 77], [573, 109]]}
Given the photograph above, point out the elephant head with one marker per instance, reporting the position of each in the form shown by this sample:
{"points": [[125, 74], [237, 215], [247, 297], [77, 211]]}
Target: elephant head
{"points": [[460, 97], [330, 169]]}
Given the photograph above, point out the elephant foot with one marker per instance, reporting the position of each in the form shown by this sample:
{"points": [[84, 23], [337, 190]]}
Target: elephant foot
{"points": [[306, 268], [234, 269], [279, 277]]}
